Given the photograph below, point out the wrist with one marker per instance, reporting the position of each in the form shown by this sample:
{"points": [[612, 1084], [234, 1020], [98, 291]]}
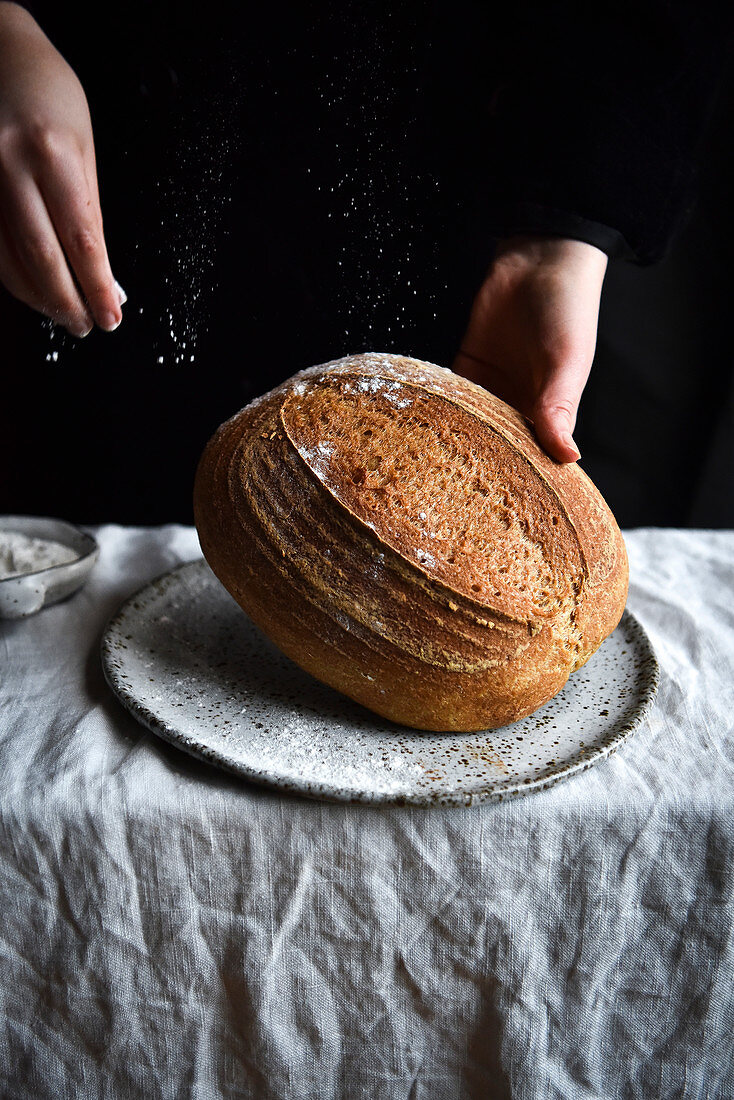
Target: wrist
{"points": [[550, 249], [520, 257]]}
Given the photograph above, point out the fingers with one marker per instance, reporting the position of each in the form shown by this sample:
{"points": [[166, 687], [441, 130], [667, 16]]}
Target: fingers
{"points": [[53, 255], [554, 437], [544, 382], [72, 202], [11, 274], [532, 333], [554, 412], [34, 266]]}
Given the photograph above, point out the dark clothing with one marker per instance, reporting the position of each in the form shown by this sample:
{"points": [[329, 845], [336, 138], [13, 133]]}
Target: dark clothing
{"points": [[590, 120], [585, 123], [324, 182]]}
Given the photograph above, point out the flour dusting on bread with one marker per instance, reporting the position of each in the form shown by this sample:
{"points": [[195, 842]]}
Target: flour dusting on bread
{"points": [[398, 532]]}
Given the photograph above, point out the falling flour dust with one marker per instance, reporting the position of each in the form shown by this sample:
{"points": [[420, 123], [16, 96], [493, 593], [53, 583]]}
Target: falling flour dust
{"points": [[191, 200], [366, 191]]}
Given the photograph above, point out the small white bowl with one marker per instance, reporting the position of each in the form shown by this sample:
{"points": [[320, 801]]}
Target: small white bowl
{"points": [[27, 593]]}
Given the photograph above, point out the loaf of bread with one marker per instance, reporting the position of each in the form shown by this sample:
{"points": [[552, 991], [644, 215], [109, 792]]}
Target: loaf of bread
{"points": [[397, 531]]}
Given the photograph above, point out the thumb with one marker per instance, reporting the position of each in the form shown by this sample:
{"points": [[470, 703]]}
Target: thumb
{"points": [[555, 409]]}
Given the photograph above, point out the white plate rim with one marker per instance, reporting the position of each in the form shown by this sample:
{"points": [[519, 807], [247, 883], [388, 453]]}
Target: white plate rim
{"points": [[648, 675]]}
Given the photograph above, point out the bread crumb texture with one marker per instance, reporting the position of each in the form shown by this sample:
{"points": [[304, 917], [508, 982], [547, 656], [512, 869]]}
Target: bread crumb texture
{"points": [[397, 531]]}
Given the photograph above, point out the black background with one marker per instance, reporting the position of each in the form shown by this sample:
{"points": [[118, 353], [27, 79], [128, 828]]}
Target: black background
{"points": [[275, 196]]}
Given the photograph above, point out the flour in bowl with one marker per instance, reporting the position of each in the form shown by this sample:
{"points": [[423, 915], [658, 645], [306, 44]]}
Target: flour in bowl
{"points": [[21, 554]]}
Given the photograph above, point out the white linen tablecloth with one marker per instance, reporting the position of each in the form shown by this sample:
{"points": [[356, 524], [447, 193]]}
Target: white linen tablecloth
{"points": [[167, 930]]}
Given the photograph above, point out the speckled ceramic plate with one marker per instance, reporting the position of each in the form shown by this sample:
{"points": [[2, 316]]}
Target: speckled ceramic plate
{"points": [[186, 661]]}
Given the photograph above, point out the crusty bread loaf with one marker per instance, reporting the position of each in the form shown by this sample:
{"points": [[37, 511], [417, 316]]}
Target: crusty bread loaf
{"points": [[397, 531]]}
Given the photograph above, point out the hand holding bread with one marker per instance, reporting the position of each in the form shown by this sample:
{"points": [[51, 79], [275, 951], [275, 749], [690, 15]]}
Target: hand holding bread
{"points": [[532, 332]]}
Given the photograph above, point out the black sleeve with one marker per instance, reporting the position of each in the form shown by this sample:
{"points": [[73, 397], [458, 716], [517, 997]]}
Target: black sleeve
{"points": [[591, 127]]}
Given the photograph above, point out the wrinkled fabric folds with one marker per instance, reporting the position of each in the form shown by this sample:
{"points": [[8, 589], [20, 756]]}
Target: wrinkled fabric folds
{"points": [[167, 930]]}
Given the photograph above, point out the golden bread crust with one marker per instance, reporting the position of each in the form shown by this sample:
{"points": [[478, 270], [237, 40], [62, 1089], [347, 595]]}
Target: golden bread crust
{"points": [[397, 531]]}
